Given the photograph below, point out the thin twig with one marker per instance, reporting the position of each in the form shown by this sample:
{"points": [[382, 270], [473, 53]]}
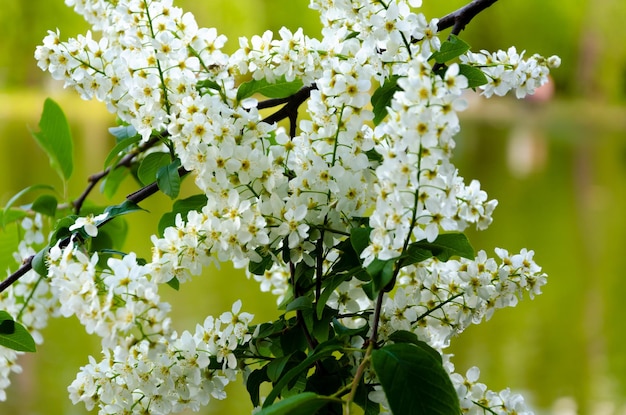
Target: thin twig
{"points": [[461, 17], [26, 266]]}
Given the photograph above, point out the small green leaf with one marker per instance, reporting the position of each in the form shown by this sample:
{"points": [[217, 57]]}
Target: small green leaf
{"points": [[174, 283], [475, 77], [184, 206], [276, 367], [46, 205], [114, 154], [150, 165], [253, 384], [61, 228], [381, 273], [360, 238], [306, 403], [8, 217], [381, 98], [168, 179], [259, 268], [330, 285], [11, 215], [111, 235], [39, 263], [55, 139], [280, 88], [123, 208], [208, 84], [415, 254], [414, 382], [14, 336], [10, 237], [122, 132], [300, 303], [113, 181], [450, 49], [445, 246]]}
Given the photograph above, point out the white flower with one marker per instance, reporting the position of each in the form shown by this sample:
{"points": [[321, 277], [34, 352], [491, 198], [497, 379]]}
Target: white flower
{"points": [[89, 224]]}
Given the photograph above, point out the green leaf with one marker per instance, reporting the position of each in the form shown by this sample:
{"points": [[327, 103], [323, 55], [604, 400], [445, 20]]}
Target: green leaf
{"points": [[253, 384], [150, 165], [174, 283], [39, 263], [122, 132], [381, 98], [475, 77], [445, 246], [111, 235], [360, 238], [382, 273], [322, 350], [259, 268], [403, 336], [450, 49], [306, 403], [123, 208], [300, 303], [7, 217], [55, 139], [14, 336], [331, 285], [183, 206], [11, 215], [61, 228], [280, 88], [114, 154], [168, 179], [414, 382], [415, 254], [208, 84], [9, 240], [276, 367], [46, 205], [113, 180]]}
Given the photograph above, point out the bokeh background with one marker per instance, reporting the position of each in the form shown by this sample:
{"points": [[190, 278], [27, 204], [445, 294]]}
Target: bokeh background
{"points": [[557, 166]]}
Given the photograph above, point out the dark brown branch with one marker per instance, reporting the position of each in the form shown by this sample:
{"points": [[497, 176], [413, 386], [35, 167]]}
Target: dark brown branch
{"points": [[27, 266], [290, 110], [461, 17]]}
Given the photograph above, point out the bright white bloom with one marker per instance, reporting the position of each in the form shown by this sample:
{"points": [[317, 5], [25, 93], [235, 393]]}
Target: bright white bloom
{"points": [[89, 224]]}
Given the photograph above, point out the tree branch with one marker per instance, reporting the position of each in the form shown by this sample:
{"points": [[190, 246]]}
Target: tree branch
{"points": [[461, 17], [290, 110], [26, 266], [136, 197]]}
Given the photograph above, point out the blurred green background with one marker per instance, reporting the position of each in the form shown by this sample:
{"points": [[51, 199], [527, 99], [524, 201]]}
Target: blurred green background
{"points": [[557, 167]]}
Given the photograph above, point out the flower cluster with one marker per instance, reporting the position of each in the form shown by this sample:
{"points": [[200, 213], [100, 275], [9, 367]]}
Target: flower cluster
{"points": [[168, 373], [477, 399], [30, 300], [146, 365], [508, 70], [438, 300], [112, 302], [148, 58], [280, 197]]}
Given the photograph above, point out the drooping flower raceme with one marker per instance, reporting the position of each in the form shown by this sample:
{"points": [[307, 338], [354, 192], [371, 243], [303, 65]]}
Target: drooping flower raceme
{"points": [[283, 197]]}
